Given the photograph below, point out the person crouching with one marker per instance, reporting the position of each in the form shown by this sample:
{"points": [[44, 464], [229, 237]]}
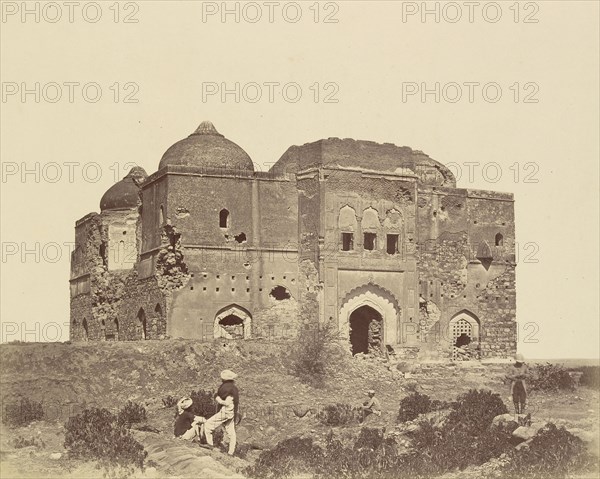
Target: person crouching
{"points": [[187, 425]]}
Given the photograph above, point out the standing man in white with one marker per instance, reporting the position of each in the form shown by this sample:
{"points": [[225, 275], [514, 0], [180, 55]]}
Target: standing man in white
{"points": [[228, 399]]}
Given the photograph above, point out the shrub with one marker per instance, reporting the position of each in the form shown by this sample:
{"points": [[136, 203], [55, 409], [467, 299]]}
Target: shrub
{"points": [[290, 457], [22, 412], [313, 353], [20, 442], [132, 413], [416, 403], [551, 377], [413, 405], [97, 434], [475, 410], [440, 450], [553, 452], [338, 414], [203, 403], [590, 376]]}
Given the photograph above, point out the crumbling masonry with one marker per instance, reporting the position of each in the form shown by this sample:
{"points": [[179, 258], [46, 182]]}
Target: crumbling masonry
{"points": [[373, 237]]}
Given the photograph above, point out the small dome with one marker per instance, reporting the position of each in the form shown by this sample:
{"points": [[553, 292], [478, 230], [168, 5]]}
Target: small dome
{"points": [[124, 194], [207, 148]]}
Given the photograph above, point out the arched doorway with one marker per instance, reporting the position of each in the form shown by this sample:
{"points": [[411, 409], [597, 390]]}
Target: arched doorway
{"points": [[232, 322], [378, 299], [366, 331], [464, 335], [142, 323]]}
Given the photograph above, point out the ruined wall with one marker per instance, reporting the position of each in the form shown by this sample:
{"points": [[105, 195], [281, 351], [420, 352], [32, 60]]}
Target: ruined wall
{"points": [[222, 271], [461, 269], [309, 226], [194, 203], [110, 303], [153, 196]]}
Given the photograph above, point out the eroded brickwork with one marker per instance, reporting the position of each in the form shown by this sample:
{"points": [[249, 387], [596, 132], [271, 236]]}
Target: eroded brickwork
{"points": [[217, 250]]}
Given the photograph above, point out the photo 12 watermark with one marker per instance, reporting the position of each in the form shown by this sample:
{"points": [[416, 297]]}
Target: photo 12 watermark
{"points": [[270, 92], [70, 92], [270, 12], [70, 12], [521, 12], [64, 172], [470, 92]]}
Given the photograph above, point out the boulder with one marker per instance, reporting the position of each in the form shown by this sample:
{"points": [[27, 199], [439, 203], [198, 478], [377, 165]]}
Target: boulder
{"points": [[528, 432], [503, 419]]}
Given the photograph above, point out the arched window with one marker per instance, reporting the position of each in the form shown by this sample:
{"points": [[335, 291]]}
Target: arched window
{"points": [[142, 319], [85, 329], [347, 225], [161, 218], [499, 239], [370, 225], [223, 218]]}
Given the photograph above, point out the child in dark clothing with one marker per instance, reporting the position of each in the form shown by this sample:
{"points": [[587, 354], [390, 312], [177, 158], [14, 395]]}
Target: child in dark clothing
{"points": [[187, 425]]}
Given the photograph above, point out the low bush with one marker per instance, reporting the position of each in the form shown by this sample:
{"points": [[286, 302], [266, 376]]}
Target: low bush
{"points": [[97, 434], [22, 412], [414, 404], [289, 458], [475, 410], [132, 413], [313, 353], [338, 414], [203, 403], [20, 442], [552, 453], [550, 377], [466, 439]]}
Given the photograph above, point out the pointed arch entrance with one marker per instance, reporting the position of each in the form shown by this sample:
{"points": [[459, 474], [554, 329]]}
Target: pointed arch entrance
{"points": [[366, 330], [233, 322], [464, 335], [372, 311]]}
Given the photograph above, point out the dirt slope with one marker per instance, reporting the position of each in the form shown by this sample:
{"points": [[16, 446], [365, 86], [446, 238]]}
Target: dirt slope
{"points": [[67, 378]]}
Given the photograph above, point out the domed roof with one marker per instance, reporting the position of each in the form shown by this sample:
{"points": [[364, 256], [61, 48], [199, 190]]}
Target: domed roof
{"points": [[124, 194], [207, 148]]}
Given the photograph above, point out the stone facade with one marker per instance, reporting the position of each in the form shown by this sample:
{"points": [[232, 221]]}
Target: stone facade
{"points": [[342, 231]]}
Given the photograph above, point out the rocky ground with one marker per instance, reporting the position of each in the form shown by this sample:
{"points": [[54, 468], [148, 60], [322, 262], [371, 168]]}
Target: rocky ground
{"points": [[67, 378]]}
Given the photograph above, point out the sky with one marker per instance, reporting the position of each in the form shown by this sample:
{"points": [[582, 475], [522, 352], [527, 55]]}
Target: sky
{"points": [[504, 93]]}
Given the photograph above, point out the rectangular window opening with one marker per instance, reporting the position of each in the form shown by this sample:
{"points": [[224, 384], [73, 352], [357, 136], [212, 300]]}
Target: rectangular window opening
{"points": [[370, 241], [392, 244], [347, 241]]}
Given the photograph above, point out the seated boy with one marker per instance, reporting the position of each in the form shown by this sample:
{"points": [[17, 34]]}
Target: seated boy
{"points": [[187, 425]]}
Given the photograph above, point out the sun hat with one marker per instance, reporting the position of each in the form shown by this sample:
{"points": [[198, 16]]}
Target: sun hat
{"points": [[184, 403], [371, 391], [519, 358], [228, 375]]}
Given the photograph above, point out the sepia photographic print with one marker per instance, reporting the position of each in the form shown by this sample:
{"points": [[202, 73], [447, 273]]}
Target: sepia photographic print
{"points": [[300, 239]]}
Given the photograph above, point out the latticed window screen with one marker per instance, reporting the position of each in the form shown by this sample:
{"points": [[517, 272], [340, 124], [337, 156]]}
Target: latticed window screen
{"points": [[461, 326]]}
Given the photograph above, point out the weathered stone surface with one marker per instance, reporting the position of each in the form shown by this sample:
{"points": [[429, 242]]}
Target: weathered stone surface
{"points": [[339, 225], [528, 432]]}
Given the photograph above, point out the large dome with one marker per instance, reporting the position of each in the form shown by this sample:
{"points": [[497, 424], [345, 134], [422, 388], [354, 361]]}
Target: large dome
{"points": [[124, 194], [207, 148]]}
